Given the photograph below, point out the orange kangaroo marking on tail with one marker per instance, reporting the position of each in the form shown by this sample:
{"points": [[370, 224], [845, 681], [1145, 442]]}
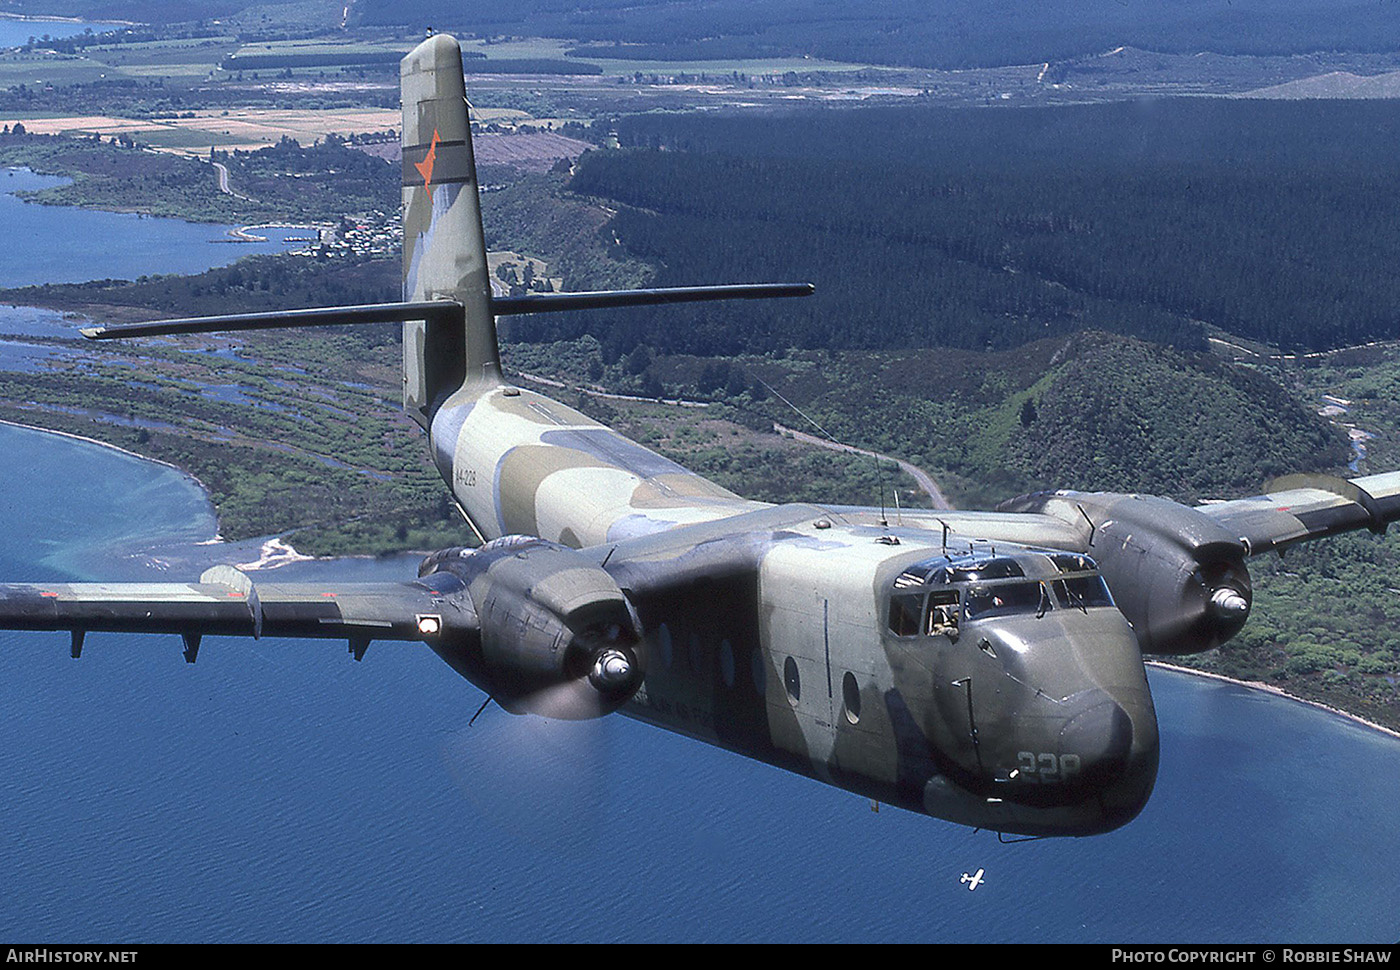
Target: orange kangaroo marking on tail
{"points": [[425, 167]]}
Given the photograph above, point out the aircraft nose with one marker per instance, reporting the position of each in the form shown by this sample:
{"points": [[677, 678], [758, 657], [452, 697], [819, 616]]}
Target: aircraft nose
{"points": [[1051, 720], [1113, 733], [1100, 737]]}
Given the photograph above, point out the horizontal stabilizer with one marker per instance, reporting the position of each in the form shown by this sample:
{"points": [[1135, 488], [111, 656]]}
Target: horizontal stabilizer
{"points": [[446, 310], [276, 319], [602, 299]]}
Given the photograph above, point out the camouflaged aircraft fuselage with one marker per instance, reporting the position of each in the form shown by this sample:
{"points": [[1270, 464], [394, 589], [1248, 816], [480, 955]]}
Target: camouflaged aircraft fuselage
{"points": [[768, 629]]}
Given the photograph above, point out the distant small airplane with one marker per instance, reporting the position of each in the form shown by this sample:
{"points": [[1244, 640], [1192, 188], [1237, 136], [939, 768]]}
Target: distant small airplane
{"points": [[972, 881], [980, 667]]}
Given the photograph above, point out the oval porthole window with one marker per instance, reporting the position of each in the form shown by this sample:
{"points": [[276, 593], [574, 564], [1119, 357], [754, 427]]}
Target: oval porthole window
{"points": [[850, 693], [791, 680]]}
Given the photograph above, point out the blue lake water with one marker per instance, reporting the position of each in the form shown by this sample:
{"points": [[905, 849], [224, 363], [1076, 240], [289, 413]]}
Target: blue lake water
{"points": [[63, 244], [278, 790], [14, 33]]}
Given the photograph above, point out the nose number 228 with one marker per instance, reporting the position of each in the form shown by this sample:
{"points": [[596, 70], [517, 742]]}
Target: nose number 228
{"points": [[1046, 769]]}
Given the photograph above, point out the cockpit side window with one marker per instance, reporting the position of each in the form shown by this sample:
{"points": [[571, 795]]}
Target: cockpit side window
{"points": [[906, 610], [941, 616], [1083, 592]]}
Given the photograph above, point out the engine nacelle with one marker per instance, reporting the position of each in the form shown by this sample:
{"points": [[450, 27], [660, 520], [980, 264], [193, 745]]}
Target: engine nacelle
{"points": [[1178, 577], [558, 637]]}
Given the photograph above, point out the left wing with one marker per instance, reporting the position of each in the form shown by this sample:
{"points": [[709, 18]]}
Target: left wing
{"points": [[1296, 508], [226, 602]]}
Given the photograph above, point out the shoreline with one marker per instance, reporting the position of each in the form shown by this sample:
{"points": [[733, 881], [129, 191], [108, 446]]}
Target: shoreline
{"points": [[273, 551], [246, 234], [204, 489], [108, 444], [1277, 692], [34, 18]]}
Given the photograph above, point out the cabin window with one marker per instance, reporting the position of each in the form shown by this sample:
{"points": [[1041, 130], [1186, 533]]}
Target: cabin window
{"points": [[792, 680], [850, 694], [906, 612]]}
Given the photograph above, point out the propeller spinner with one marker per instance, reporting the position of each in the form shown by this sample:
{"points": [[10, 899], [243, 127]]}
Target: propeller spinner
{"points": [[558, 637]]}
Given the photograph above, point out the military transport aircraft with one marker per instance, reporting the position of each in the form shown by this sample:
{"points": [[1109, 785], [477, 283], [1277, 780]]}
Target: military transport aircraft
{"points": [[980, 667]]}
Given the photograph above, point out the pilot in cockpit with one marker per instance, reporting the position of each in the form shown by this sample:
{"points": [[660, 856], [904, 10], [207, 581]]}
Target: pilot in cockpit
{"points": [[943, 610]]}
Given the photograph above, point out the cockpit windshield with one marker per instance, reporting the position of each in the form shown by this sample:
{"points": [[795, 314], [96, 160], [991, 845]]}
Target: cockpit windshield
{"points": [[934, 596], [942, 571], [1072, 562], [1005, 599]]}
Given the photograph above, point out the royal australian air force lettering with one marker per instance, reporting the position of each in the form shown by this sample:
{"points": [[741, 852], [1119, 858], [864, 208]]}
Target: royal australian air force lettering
{"points": [[520, 463]]}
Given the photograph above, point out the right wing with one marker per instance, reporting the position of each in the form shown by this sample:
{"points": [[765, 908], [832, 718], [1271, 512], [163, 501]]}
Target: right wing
{"points": [[226, 602], [1296, 508]]}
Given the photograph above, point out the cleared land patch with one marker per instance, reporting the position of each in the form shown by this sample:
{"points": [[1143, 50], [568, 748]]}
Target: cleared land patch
{"points": [[247, 129], [532, 152]]}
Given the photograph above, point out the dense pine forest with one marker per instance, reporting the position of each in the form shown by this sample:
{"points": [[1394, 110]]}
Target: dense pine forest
{"points": [[945, 34], [922, 33], [989, 228]]}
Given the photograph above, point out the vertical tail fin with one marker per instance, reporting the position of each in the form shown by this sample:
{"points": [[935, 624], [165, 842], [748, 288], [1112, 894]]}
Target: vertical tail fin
{"points": [[444, 250]]}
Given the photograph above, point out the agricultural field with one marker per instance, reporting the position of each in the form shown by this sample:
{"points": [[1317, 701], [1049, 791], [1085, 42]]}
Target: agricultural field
{"points": [[240, 129]]}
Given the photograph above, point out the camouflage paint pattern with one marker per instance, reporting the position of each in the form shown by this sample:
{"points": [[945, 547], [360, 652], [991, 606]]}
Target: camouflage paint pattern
{"points": [[444, 251], [763, 627], [227, 602], [767, 635]]}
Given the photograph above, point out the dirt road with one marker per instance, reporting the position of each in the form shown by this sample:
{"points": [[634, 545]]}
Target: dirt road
{"points": [[926, 482]]}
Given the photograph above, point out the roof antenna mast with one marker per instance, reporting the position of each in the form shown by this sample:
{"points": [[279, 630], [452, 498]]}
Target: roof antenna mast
{"points": [[879, 468]]}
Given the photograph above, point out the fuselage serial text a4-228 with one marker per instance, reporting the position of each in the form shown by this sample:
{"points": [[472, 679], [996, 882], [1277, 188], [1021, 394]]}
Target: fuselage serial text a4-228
{"points": [[980, 667]]}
